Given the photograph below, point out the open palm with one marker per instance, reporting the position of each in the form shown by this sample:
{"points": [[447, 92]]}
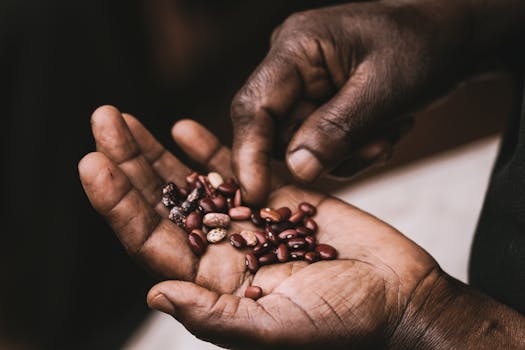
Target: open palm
{"points": [[356, 300]]}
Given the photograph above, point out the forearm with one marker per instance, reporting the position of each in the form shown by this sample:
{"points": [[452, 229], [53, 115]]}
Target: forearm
{"points": [[452, 315]]}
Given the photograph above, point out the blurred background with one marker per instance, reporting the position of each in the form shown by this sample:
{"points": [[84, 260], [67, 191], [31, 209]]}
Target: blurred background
{"points": [[65, 281]]}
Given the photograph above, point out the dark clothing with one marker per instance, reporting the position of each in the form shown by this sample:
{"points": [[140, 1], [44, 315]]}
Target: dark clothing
{"points": [[497, 265]]}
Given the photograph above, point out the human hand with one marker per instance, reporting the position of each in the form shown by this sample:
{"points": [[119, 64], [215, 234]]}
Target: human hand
{"points": [[336, 87], [357, 300]]}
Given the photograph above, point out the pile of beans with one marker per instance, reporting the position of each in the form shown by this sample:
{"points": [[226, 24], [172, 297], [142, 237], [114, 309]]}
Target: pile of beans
{"points": [[205, 210]]}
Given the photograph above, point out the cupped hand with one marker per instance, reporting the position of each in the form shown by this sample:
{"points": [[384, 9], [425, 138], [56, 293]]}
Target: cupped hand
{"points": [[337, 86], [357, 300]]}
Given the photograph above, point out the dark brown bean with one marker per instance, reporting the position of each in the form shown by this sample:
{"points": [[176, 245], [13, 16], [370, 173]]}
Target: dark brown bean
{"points": [[310, 224], [297, 243], [270, 214], [227, 188], [273, 238], [307, 208], [312, 257], [260, 249], [297, 254], [296, 218], [267, 259], [207, 205], [197, 246], [303, 231], [240, 213], [285, 213], [237, 200], [206, 184], [256, 219], [288, 234], [220, 202], [251, 262], [193, 221], [311, 243], [216, 220], [237, 241], [327, 252], [281, 226], [201, 234], [261, 237], [282, 253], [253, 292]]}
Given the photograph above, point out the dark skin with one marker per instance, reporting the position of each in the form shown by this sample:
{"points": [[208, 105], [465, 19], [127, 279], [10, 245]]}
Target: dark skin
{"points": [[334, 90], [384, 291]]}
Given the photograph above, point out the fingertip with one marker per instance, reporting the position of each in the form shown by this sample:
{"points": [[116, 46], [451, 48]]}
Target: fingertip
{"points": [[89, 165], [104, 112], [184, 127], [304, 165]]}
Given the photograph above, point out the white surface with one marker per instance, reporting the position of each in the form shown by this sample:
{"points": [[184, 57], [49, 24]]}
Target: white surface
{"points": [[436, 202]]}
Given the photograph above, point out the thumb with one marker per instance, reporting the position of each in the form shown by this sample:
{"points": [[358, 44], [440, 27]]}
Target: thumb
{"points": [[222, 319], [336, 129]]}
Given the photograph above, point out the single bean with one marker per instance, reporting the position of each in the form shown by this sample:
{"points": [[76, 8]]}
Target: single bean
{"points": [[297, 254], [296, 218], [240, 213], [249, 237], [256, 218], [196, 244], [201, 234], [253, 292], [237, 199], [251, 262], [215, 179], [177, 216], [312, 257], [269, 214], [288, 234], [216, 235], [310, 224], [311, 243], [220, 202], [307, 208], [282, 253], [193, 221], [303, 231], [285, 213], [227, 188], [207, 205], [327, 252], [261, 237], [297, 243], [237, 241], [267, 259], [216, 220]]}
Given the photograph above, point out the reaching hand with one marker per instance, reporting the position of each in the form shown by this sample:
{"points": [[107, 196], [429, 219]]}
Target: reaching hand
{"points": [[357, 300]]}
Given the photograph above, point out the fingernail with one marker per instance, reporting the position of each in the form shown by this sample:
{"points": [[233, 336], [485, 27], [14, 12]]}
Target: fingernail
{"points": [[161, 303], [305, 165]]}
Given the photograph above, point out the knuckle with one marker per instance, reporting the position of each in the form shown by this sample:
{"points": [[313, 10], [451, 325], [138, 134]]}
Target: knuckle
{"points": [[242, 109]]}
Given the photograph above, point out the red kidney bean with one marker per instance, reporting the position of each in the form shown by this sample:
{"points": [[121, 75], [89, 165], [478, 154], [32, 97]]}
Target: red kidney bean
{"points": [[220, 202], [303, 231], [237, 241], [312, 257], [256, 219], [229, 203], [227, 188], [240, 213], [296, 218], [310, 224], [216, 220], [249, 237], [193, 221], [261, 237], [251, 262], [191, 179], [272, 237], [282, 253], [288, 234], [260, 249], [267, 259], [196, 244], [297, 243], [310, 241], [281, 226], [201, 234], [327, 252], [237, 199], [253, 292], [285, 213], [206, 184], [297, 254], [207, 205], [269, 214], [307, 208]]}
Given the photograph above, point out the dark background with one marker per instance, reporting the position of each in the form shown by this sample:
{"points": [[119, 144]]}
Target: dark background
{"points": [[65, 281]]}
